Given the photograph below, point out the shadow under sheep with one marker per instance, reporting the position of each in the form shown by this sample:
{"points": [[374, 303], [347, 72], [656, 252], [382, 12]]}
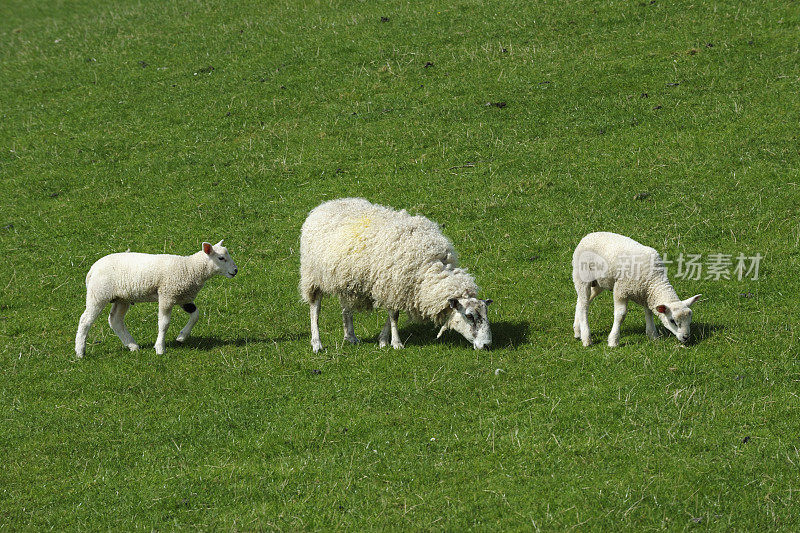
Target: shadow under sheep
{"points": [[504, 335], [700, 332]]}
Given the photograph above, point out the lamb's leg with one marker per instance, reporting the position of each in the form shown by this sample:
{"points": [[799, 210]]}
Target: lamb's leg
{"points": [[164, 312], [620, 310], [650, 325], [194, 315], [393, 316], [93, 309], [116, 319], [314, 308], [385, 337], [581, 324], [347, 323]]}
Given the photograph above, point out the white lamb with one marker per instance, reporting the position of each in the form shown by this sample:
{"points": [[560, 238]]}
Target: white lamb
{"points": [[632, 271], [372, 256], [126, 278]]}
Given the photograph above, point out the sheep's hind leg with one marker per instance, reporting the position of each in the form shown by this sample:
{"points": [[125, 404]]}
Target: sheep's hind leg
{"points": [[580, 326], [194, 315], [385, 337], [116, 319], [314, 307], [164, 312], [88, 317], [620, 310], [347, 324]]}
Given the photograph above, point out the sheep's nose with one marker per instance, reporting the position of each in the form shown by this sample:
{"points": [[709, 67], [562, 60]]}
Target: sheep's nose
{"points": [[235, 271]]}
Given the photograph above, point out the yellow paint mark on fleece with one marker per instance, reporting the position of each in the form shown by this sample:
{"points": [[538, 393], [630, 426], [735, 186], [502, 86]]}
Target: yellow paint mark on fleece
{"points": [[354, 232]]}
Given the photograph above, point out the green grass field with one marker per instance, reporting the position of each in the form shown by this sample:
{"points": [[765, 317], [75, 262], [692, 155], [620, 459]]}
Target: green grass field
{"points": [[519, 127]]}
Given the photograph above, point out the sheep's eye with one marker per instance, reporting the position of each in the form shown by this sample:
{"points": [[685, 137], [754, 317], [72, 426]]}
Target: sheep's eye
{"points": [[471, 318], [222, 259]]}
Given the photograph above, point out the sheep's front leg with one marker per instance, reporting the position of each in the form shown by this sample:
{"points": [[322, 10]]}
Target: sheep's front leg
{"points": [[314, 308], [620, 310], [393, 317], [194, 315], [116, 319], [650, 325], [88, 317], [164, 312], [347, 324]]}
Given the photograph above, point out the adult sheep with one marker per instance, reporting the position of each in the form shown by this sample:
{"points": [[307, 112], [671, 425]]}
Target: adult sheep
{"points": [[371, 256], [125, 278]]}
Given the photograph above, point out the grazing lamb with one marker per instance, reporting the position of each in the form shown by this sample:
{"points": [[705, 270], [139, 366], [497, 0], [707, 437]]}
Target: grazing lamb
{"points": [[372, 256], [632, 271], [126, 278]]}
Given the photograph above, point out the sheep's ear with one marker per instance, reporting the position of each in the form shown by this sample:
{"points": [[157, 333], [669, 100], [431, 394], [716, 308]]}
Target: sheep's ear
{"points": [[219, 243], [661, 308], [207, 248], [453, 304], [488, 302], [441, 331], [689, 301]]}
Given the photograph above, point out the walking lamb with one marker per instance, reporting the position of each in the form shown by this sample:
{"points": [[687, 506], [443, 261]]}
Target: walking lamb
{"points": [[125, 278]]}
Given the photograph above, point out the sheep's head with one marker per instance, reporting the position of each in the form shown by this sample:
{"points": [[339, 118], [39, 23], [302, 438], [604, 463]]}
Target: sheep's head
{"points": [[221, 259], [468, 316], [677, 317]]}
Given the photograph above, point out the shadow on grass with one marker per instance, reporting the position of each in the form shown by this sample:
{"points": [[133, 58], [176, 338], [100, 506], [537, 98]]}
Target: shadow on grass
{"points": [[700, 332], [504, 335], [208, 343]]}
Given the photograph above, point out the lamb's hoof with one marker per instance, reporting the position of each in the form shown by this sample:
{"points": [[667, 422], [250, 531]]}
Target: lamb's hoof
{"points": [[159, 350], [352, 340], [383, 343], [79, 355], [613, 344], [587, 342], [316, 346], [133, 347], [397, 345], [181, 339]]}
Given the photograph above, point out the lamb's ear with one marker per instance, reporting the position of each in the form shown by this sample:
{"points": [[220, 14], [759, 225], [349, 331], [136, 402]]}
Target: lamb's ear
{"points": [[661, 308], [207, 248], [219, 243], [453, 304], [441, 331], [488, 302], [689, 301]]}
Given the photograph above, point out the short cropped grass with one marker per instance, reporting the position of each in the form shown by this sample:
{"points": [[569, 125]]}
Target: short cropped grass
{"points": [[519, 127]]}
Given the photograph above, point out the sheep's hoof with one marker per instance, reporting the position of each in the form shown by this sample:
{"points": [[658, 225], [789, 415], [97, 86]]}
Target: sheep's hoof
{"points": [[613, 344], [316, 346], [180, 338], [159, 350], [587, 342], [397, 345], [133, 347], [352, 340], [79, 355], [383, 343]]}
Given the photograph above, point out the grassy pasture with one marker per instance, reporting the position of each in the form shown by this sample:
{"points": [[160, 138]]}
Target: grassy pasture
{"points": [[518, 126]]}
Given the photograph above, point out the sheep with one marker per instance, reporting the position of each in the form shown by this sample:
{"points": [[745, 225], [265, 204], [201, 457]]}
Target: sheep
{"points": [[125, 278], [371, 256], [631, 271]]}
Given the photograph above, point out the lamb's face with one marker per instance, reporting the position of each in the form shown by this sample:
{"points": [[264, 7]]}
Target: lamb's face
{"points": [[468, 316], [221, 259], [677, 317]]}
